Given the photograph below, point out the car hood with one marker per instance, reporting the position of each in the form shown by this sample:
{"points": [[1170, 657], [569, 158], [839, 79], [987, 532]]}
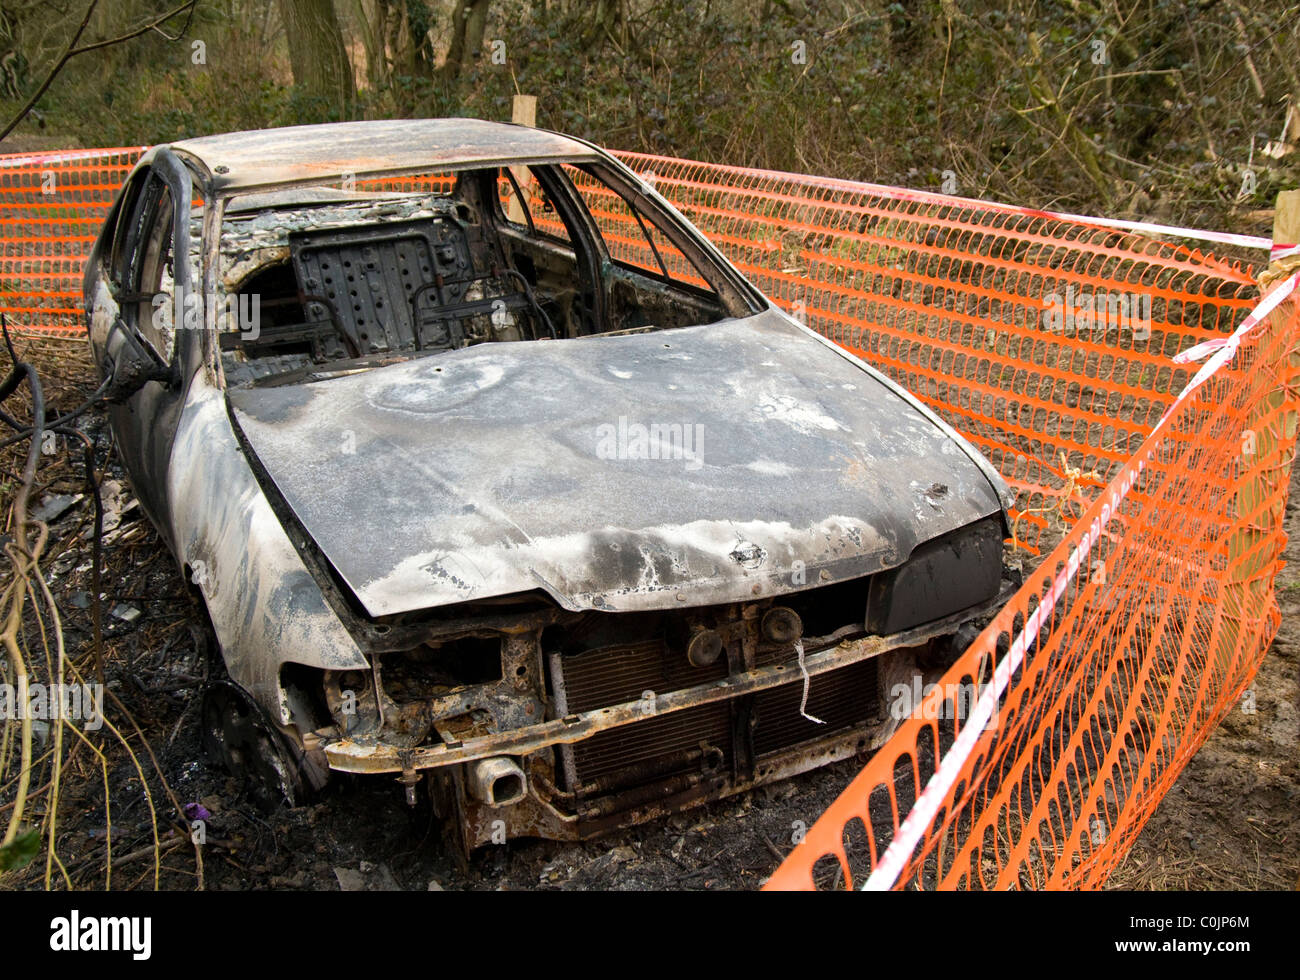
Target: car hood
{"points": [[689, 466]]}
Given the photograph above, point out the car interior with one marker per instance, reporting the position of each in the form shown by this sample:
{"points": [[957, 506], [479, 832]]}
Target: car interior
{"points": [[338, 280]]}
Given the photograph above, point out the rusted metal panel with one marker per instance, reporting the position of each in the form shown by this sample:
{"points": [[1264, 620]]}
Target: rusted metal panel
{"points": [[374, 754], [265, 606]]}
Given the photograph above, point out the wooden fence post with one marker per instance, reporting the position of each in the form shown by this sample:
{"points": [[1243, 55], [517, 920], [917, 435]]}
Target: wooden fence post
{"points": [[1248, 594], [524, 112]]}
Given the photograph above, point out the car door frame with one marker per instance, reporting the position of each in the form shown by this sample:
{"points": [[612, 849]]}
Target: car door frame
{"points": [[144, 423], [735, 293]]}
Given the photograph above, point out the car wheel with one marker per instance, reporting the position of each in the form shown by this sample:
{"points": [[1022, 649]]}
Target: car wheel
{"points": [[237, 733]]}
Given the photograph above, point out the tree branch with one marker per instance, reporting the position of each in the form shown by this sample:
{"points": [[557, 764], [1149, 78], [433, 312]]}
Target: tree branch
{"points": [[73, 50]]}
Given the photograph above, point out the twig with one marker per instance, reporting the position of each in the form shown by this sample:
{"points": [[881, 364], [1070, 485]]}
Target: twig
{"points": [[776, 851]]}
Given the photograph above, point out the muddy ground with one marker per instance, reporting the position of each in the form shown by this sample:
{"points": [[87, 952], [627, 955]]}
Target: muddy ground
{"points": [[1231, 821]]}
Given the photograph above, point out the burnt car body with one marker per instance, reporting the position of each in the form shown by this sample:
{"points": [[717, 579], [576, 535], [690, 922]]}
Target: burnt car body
{"points": [[548, 509]]}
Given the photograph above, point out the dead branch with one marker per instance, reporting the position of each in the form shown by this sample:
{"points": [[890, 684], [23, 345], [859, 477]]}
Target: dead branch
{"points": [[73, 50]]}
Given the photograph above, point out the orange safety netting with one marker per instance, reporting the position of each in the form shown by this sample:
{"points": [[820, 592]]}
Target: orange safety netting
{"points": [[1117, 658], [52, 206], [1049, 343]]}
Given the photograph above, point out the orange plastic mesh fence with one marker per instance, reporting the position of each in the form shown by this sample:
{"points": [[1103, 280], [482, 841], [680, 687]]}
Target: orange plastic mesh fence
{"points": [[1121, 653], [1046, 341], [51, 208], [984, 311]]}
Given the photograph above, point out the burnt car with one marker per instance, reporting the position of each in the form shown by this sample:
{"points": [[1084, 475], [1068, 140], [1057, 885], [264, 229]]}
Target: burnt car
{"points": [[492, 474]]}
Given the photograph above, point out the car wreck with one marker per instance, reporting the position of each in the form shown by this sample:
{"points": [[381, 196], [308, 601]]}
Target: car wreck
{"points": [[492, 474]]}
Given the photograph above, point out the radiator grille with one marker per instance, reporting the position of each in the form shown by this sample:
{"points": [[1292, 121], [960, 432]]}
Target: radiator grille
{"points": [[611, 675], [841, 698], [609, 752]]}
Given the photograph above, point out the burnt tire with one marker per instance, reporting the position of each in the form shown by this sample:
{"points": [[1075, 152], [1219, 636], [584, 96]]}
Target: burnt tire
{"points": [[237, 733]]}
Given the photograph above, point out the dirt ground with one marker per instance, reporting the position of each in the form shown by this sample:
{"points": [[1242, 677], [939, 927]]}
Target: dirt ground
{"points": [[1231, 821]]}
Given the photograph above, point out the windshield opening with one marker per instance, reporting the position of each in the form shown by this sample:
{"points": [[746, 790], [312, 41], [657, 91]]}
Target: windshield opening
{"points": [[323, 281]]}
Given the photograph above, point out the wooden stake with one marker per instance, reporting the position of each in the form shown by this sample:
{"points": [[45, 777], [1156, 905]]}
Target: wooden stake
{"points": [[524, 112]]}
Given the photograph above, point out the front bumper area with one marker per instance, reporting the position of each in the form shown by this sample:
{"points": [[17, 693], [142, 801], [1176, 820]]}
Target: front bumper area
{"points": [[606, 766]]}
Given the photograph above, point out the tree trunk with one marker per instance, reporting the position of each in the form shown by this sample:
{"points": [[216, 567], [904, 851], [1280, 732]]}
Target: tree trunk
{"points": [[468, 22], [374, 34], [419, 19], [316, 53]]}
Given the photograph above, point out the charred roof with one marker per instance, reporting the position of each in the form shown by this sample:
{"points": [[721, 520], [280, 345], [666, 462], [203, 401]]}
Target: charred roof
{"points": [[262, 158]]}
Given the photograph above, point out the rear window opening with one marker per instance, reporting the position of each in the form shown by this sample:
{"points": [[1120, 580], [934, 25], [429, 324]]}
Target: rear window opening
{"points": [[344, 279]]}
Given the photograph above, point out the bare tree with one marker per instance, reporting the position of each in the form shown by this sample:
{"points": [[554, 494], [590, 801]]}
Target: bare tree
{"points": [[374, 35], [609, 22]]}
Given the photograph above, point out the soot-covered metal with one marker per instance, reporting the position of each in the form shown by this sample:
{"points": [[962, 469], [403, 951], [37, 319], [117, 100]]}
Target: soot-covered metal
{"points": [[569, 534]]}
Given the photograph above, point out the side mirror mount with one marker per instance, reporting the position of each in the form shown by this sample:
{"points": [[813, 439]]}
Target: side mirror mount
{"points": [[130, 363]]}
